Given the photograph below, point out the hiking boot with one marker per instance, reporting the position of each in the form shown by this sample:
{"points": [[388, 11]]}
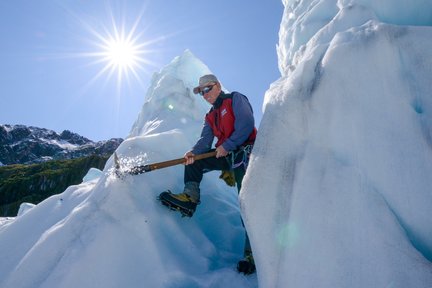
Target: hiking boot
{"points": [[181, 202], [246, 265], [185, 202]]}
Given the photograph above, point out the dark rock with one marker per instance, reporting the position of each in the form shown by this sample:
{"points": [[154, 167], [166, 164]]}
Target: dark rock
{"points": [[20, 144]]}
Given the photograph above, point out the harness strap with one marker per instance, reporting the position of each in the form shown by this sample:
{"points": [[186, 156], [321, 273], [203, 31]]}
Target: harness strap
{"points": [[246, 150]]}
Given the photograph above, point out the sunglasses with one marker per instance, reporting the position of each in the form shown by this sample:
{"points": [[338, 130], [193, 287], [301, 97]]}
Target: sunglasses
{"points": [[206, 89]]}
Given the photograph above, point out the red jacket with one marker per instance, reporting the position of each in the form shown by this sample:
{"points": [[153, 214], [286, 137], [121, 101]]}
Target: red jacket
{"points": [[222, 120]]}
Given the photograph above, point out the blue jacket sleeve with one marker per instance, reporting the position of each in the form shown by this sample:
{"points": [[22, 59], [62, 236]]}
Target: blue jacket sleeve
{"points": [[244, 122], [205, 142]]}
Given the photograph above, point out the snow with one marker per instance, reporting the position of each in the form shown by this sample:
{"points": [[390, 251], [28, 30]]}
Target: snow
{"points": [[62, 144], [4, 220], [7, 128], [337, 193], [341, 168], [24, 208], [92, 175]]}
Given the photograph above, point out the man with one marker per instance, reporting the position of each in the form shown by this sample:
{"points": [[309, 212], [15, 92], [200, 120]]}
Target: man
{"points": [[231, 121]]}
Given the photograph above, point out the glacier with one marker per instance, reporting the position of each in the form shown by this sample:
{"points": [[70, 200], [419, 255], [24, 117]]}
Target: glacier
{"points": [[341, 168], [337, 193]]}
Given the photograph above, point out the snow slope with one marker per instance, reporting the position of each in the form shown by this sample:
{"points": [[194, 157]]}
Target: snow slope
{"points": [[111, 233], [341, 168]]}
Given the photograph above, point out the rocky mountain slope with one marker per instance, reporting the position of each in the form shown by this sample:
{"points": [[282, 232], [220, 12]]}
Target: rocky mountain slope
{"points": [[21, 144], [37, 163]]}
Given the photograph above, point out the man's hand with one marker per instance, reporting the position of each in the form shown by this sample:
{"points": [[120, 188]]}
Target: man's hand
{"points": [[189, 157], [221, 152]]}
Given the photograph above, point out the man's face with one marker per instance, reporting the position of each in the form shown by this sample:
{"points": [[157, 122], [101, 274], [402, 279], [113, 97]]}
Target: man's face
{"points": [[211, 95]]}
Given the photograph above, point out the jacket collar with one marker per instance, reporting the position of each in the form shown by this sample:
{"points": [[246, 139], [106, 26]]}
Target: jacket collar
{"points": [[219, 100]]}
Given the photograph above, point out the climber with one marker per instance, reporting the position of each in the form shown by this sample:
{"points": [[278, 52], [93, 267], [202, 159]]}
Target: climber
{"points": [[231, 121]]}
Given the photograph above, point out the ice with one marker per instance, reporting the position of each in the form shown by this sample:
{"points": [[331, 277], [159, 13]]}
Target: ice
{"points": [[342, 162], [92, 175], [24, 208], [307, 19]]}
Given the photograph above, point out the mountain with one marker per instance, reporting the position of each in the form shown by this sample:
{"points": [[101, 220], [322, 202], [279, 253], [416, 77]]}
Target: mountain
{"points": [[33, 183], [21, 144], [39, 163]]}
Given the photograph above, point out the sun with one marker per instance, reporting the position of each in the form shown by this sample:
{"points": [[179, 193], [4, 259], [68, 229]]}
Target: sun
{"points": [[122, 54], [120, 50]]}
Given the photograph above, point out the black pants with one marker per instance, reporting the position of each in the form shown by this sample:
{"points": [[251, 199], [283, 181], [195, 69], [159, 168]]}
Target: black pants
{"points": [[194, 173]]}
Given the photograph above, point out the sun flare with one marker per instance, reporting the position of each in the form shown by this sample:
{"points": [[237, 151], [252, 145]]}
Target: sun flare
{"points": [[120, 50], [122, 54]]}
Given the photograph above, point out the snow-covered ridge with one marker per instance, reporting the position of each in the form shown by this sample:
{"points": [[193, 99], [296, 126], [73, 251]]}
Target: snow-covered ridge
{"points": [[22, 144]]}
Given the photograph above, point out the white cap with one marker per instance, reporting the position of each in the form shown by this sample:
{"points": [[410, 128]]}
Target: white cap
{"points": [[204, 81]]}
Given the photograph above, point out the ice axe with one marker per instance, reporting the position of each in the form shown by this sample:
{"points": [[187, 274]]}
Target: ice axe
{"points": [[154, 166]]}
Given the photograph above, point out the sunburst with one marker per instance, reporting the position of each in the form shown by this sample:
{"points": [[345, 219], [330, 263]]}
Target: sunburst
{"points": [[122, 54], [120, 50]]}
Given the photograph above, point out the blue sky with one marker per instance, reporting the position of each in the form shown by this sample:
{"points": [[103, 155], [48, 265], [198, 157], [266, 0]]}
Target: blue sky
{"points": [[52, 77]]}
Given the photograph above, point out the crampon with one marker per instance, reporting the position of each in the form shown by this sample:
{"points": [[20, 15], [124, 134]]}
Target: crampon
{"points": [[186, 208]]}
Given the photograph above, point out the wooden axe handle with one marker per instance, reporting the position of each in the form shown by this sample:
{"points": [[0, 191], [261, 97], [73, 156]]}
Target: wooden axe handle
{"points": [[169, 163]]}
